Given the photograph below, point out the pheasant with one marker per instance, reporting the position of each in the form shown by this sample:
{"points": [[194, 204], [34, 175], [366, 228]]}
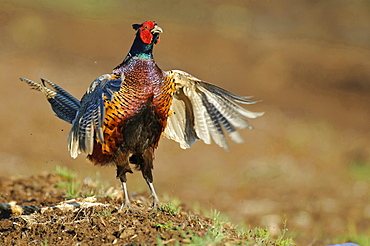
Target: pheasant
{"points": [[122, 115]]}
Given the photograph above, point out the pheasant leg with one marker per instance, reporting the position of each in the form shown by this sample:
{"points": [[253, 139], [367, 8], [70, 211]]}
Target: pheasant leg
{"points": [[126, 205], [156, 202]]}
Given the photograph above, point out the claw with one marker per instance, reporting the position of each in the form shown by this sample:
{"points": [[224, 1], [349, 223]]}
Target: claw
{"points": [[156, 205], [127, 207]]}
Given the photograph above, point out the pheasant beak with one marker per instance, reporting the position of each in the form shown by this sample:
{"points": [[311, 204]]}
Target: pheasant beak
{"points": [[156, 29]]}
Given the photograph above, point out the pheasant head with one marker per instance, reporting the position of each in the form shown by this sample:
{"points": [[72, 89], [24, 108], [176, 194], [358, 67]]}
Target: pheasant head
{"points": [[146, 36], [148, 32]]}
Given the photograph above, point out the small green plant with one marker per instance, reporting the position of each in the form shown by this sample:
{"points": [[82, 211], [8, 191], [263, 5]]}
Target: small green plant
{"points": [[65, 172], [214, 236], [217, 229], [281, 240], [105, 213], [169, 226], [196, 240], [169, 208], [171, 205], [69, 182], [218, 234], [75, 188]]}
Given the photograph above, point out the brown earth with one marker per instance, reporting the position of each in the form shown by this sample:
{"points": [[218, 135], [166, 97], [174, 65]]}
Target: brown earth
{"points": [[102, 224], [307, 159]]}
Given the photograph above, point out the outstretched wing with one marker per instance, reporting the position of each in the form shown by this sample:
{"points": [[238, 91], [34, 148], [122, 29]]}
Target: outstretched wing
{"points": [[90, 117], [204, 111], [64, 105]]}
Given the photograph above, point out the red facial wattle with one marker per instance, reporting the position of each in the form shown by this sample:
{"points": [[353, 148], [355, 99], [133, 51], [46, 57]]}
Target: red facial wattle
{"points": [[146, 36], [145, 33]]}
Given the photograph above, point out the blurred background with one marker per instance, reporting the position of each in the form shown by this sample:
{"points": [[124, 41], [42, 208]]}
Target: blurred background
{"points": [[307, 159]]}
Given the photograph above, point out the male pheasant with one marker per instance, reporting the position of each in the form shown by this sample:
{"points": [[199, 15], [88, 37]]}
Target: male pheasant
{"points": [[122, 116]]}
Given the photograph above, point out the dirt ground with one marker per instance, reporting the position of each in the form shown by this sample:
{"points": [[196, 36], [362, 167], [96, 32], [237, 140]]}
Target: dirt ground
{"points": [[87, 226], [307, 159], [100, 224]]}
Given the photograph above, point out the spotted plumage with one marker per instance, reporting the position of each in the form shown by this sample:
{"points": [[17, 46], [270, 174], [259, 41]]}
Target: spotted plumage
{"points": [[122, 115]]}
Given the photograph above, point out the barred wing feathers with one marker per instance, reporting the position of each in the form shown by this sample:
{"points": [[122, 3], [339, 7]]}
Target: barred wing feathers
{"points": [[205, 111], [89, 120]]}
